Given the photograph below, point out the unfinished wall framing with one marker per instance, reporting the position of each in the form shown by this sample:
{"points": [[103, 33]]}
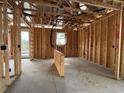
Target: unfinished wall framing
{"points": [[98, 42], [42, 43], [101, 42], [5, 78]]}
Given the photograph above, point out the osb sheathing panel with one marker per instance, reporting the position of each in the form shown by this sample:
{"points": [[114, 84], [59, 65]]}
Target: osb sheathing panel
{"points": [[42, 46], [97, 42]]}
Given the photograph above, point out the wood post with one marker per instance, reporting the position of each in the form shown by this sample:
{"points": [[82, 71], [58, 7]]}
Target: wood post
{"points": [[31, 35], [0, 42], [31, 40], [1, 62], [15, 43], [122, 52], [43, 43], [117, 69], [17, 40], [5, 33]]}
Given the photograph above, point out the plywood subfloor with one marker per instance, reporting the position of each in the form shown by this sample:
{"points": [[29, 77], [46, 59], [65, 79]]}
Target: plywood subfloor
{"points": [[80, 77]]}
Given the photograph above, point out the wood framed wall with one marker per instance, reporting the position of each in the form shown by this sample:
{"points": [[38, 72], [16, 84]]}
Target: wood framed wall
{"points": [[4, 58], [98, 42], [42, 46]]}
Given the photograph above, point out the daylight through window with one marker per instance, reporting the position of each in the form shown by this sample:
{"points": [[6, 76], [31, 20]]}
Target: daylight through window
{"points": [[60, 38]]}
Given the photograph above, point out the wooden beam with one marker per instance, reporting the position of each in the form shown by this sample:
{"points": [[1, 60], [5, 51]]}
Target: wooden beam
{"points": [[5, 33], [11, 3], [97, 3], [122, 52], [0, 42], [121, 1], [42, 3], [117, 70], [25, 22], [44, 43], [17, 40], [31, 39], [70, 5], [1, 61]]}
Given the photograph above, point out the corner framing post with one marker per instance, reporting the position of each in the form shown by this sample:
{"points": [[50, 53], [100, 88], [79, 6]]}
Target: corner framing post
{"points": [[117, 71], [1, 62], [5, 33]]}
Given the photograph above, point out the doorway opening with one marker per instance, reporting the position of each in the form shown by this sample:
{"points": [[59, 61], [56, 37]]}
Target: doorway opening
{"points": [[25, 44]]}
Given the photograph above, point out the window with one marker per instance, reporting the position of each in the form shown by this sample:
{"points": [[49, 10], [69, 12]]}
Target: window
{"points": [[60, 38]]}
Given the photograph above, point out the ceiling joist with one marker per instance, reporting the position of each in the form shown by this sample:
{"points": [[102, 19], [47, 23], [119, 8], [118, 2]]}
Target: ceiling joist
{"points": [[98, 3], [50, 9]]}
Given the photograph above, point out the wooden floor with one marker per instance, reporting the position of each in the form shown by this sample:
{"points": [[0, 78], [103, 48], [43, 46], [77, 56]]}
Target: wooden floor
{"points": [[80, 77]]}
